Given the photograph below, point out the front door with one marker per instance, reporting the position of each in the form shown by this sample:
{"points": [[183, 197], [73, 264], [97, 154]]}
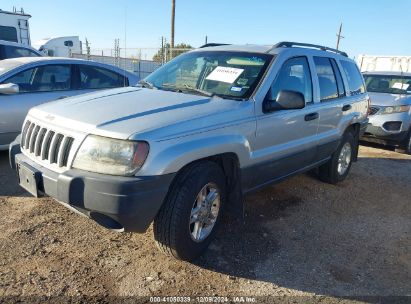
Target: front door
{"points": [[285, 139]]}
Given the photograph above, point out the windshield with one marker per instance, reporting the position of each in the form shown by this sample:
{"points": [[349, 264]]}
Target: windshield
{"points": [[222, 73], [388, 84]]}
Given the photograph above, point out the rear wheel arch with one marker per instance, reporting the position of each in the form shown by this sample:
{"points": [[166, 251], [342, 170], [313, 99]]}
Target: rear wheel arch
{"points": [[355, 130]]}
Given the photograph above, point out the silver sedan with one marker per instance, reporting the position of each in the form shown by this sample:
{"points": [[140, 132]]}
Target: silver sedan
{"points": [[29, 81]]}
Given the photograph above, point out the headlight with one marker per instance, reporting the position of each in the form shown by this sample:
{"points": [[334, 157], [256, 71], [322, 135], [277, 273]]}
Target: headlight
{"points": [[394, 109], [111, 156]]}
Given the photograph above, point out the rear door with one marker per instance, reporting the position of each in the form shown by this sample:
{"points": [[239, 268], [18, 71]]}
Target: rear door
{"points": [[332, 95], [90, 78], [37, 85], [285, 139]]}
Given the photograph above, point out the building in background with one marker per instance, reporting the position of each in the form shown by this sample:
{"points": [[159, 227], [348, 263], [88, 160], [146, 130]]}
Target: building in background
{"points": [[373, 63]]}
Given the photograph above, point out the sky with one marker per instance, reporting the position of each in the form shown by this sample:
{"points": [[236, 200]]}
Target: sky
{"points": [[378, 27]]}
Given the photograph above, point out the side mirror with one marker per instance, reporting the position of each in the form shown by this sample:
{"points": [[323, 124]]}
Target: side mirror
{"points": [[286, 100], [9, 88]]}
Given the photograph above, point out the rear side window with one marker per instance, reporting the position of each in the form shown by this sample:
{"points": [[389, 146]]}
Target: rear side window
{"points": [[15, 52], [340, 82], [293, 76], [43, 79], [355, 81], [100, 78], [8, 33], [326, 78]]}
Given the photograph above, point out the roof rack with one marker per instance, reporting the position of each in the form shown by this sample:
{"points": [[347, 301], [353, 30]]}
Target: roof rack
{"points": [[308, 45], [212, 44]]}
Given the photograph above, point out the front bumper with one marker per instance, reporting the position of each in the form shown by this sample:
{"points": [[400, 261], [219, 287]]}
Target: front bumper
{"points": [[378, 128], [115, 202]]}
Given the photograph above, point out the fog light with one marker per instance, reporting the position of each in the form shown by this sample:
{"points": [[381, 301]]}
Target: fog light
{"points": [[392, 125]]}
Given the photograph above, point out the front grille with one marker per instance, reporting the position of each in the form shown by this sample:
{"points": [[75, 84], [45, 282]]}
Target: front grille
{"points": [[374, 110], [46, 144]]}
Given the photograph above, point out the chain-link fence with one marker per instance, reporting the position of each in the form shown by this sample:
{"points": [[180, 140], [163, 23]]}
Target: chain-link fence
{"points": [[141, 61]]}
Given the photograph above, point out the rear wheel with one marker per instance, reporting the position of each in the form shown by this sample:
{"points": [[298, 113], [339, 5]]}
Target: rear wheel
{"points": [[338, 167], [189, 217]]}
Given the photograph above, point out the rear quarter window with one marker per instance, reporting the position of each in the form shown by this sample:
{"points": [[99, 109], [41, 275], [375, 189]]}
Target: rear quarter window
{"points": [[355, 81]]}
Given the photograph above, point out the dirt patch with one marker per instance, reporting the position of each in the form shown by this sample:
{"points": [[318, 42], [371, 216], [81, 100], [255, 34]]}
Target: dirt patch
{"points": [[299, 238]]}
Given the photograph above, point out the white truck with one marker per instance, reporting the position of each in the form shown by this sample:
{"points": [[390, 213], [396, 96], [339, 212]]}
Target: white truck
{"points": [[14, 26], [59, 46], [375, 63]]}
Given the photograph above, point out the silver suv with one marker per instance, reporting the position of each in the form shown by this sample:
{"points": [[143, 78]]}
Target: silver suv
{"points": [[390, 112], [194, 137]]}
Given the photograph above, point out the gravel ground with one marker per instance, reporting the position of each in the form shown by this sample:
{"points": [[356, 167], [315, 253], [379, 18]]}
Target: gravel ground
{"points": [[301, 238]]}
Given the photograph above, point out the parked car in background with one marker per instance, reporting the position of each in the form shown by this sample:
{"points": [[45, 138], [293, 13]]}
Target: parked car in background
{"points": [[207, 127], [29, 81], [14, 50], [390, 113]]}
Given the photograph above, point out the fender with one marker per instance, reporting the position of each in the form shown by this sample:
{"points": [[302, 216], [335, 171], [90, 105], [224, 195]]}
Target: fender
{"points": [[174, 156]]}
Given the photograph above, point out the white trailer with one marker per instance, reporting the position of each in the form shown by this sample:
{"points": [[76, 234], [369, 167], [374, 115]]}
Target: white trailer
{"points": [[59, 46], [14, 26], [373, 63]]}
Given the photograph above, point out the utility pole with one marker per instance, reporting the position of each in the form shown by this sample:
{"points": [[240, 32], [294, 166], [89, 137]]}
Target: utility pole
{"points": [[339, 36], [88, 49], [206, 40], [173, 16]]}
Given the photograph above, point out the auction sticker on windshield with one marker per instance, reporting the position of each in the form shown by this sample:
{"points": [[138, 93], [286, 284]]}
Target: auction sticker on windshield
{"points": [[225, 74], [400, 86]]}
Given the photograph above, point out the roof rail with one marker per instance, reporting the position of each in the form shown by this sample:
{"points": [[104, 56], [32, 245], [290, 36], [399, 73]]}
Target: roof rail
{"points": [[308, 45], [212, 44]]}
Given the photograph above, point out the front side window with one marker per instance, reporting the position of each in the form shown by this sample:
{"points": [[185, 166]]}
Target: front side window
{"points": [[222, 73], [326, 78], [388, 84], [355, 81], [99, 78], [43, 79], [293, 76], [15, 52], [8, 33]]}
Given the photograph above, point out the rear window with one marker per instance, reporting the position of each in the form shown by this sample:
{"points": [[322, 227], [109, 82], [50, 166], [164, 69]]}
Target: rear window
{"points": [[15, 52], [355, 80], [8, 33]]}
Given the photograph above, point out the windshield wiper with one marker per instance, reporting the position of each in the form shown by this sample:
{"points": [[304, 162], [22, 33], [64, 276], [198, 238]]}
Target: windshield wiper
{"points": [[189, 88], [146, 84]]}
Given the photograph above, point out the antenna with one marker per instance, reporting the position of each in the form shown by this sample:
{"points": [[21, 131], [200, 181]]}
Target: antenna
{"points": [[339, 36], [125, 44]]}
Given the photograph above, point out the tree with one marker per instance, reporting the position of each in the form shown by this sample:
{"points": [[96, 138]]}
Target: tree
{"points": [[163, 53]]}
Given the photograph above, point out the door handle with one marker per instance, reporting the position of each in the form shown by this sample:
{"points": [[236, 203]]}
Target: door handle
{"points": [[346, 107], [311, 116], [62, 97]]}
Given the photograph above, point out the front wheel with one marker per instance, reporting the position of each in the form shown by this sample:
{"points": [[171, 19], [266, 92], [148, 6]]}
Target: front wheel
{"points": [[407, 145], [189, 217], [338, 167]]}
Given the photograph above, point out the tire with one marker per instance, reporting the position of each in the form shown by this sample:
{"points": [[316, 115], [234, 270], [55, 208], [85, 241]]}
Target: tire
{"points": [[406, 148], [173, 231], [329, 172]]}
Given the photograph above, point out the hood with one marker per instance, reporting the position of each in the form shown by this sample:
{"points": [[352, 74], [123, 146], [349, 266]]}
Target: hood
{"points": [[124, 112], [386, 99]]}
